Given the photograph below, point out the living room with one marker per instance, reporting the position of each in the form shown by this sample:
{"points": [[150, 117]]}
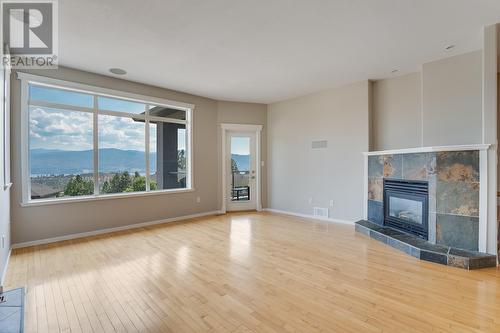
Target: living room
{"points": [[250, 166]]}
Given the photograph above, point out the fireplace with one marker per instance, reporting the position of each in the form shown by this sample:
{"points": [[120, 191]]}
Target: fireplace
{"points": [[406, 206]]}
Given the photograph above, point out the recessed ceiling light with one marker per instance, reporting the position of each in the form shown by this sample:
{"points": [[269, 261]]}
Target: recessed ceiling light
{"points": [[449, 47], [118, 71], [394, 71]]}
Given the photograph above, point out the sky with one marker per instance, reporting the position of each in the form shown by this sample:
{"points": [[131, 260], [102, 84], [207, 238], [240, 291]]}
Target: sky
{"points": [[72, 130], [240, 145]]}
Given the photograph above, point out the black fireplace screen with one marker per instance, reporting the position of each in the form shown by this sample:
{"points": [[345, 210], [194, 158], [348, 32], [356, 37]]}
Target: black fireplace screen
{"points": [[406, 206]]}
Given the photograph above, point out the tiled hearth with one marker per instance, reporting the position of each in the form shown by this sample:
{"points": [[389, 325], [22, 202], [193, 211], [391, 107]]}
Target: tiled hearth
{"points": [[418, 248], [454, 191]]}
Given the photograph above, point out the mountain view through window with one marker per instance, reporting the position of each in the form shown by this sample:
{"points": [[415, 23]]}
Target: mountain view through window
{"points": [[62, 146]]}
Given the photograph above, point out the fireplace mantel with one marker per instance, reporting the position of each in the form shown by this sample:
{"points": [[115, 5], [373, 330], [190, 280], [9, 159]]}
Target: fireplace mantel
{"points": [[428, 149]]}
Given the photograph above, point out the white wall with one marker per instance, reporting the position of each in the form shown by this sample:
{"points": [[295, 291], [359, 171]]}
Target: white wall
{"points": [[297, 172]]}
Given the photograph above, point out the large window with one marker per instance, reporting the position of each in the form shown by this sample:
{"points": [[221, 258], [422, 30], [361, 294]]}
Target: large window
{"points": [[86, 142]]}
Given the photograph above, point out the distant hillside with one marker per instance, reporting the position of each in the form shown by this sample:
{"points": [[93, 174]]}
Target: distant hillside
{"points": [[55, 162], [242, 161]]}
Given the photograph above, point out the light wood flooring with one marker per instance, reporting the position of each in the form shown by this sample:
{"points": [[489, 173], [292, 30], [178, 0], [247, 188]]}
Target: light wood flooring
{"points": [[247, 272]]}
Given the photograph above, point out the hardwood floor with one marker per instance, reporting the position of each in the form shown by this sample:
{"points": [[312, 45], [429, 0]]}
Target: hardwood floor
{"points": [[247, 272]]}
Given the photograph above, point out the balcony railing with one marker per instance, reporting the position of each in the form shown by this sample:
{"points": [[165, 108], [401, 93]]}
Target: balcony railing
{"points": [[241, 193]]}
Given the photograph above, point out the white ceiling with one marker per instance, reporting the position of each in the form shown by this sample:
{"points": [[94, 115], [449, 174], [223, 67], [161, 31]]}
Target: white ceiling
{"points": [[265, 50]]}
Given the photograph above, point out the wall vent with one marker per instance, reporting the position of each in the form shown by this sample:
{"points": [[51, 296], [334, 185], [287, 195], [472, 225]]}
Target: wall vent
{"points": [[320, 212], [319, 144]]}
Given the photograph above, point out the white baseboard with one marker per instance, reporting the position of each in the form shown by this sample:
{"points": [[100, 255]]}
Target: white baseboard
{"points": [[109, 230], [4, 272], [307, 216], [145, 224]]}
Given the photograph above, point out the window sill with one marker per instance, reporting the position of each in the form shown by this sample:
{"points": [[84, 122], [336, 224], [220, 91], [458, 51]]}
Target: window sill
{"points": [[43, 202]]}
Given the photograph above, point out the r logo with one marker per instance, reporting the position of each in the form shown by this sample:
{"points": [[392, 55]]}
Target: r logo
{"points": [[28, 27]]}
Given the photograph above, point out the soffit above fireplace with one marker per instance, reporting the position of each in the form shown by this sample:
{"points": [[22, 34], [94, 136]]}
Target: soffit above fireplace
{"points": [[428, 149]]}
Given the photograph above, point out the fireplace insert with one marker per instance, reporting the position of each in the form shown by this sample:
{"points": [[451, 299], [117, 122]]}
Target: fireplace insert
{"points": [[406, 206]]}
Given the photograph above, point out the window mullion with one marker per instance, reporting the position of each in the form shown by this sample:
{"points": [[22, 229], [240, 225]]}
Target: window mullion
{"points": [[146, 136], [25, 143], [59, 106], [96, 146]]}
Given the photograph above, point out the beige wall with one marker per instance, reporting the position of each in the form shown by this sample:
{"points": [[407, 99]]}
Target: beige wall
{"points": [[452, 100], [4, 195], [246, 113], [40, 222], [4, 228], [489, 129], [451, 107], [297, 172], [397, 113], [498, 125], [442, 105]]}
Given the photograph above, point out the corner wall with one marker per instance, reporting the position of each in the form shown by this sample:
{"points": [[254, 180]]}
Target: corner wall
{"points": [[439, 106]]}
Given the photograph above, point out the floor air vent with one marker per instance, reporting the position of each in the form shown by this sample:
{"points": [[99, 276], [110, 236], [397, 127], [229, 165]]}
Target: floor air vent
{"points": [[320, 212]]}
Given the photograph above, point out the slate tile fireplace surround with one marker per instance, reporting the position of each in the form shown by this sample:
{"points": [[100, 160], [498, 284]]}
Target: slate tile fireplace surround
{"points": [[427, 202], [453, 192]]}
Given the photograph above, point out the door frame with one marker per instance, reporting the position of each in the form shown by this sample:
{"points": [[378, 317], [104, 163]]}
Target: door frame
{"points": [[251, 203], [257, 129]]}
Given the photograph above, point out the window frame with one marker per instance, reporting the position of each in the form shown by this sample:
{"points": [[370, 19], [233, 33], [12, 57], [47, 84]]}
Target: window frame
{"points": [[30, 79], [5, 114]]}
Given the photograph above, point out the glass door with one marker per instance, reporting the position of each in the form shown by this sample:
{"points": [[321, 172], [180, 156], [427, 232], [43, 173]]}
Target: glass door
{"points": [[240, 175]]}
